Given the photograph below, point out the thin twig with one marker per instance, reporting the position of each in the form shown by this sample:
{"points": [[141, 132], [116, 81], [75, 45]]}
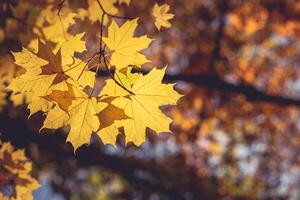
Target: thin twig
{"points": [[60, 6], [101, 35], [108, 14], [102, 49], [87, 63], [111, 75]]}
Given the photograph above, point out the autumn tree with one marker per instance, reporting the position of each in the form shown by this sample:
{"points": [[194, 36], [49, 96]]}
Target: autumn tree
{"points": [[120, 99]]}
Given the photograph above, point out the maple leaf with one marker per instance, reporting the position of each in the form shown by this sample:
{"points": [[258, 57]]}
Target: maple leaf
{"points": [[45, 70], [162, 16], [41, 72], [141, 101], [124, 47], [45, 62], [80, 116], [17, 168]]}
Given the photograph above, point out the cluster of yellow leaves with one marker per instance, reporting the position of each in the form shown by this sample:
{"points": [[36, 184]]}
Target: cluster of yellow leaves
{"points": [[45, 70], [62, 86], [15, 171]]}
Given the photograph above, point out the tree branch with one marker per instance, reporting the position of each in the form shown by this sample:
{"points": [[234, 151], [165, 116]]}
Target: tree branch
{"points": [[215, 55], [252, 93], [215, 82], [54, 149]]}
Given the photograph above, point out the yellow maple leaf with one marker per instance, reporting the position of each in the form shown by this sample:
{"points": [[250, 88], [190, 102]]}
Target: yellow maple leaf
{"points": [[43, 71], [17, 168], [80, 116], [141, 102], [162, 16], [124, 47], [46, 63]]}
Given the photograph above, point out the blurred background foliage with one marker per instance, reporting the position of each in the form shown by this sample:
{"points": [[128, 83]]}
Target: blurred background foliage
{"points": [[235, 133]]}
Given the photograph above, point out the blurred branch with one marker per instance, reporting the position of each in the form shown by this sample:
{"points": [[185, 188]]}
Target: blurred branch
{"points": [[252, 93], [53, 148], [215, 55], [215, 82]]}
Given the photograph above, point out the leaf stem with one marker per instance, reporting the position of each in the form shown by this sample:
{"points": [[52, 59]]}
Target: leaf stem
{"points": [[87, 63], [111, 75], [60, 6]]}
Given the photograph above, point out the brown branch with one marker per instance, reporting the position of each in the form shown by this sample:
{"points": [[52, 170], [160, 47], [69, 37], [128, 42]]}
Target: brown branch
{"points": [[215, 55], [54, 148], [60, 6], [252, 93], [113, 78], [215, 82], [102, 50]]}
